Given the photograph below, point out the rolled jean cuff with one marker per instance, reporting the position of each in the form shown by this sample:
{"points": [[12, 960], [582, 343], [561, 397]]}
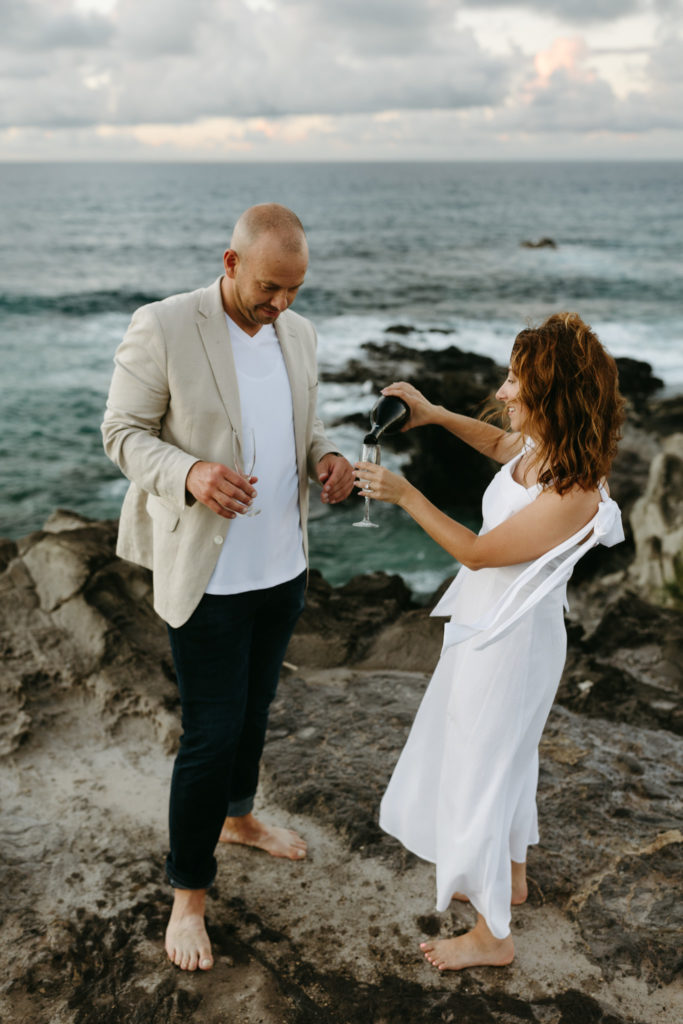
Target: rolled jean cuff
{"points": [[238, 808], [179, 883]]}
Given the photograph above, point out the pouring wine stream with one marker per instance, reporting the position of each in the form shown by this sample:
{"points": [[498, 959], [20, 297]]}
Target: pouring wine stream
{"points": [[388, 415]]}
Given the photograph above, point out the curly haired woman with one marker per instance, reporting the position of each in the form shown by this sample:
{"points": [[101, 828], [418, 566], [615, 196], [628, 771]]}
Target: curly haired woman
{"points": [[463, 794]]}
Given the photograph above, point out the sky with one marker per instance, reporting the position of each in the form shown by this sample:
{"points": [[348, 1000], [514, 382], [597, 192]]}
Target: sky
{"points": [[259, 80]]}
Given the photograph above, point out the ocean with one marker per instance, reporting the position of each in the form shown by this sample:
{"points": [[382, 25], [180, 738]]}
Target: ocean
{"points": [[436, 247]]}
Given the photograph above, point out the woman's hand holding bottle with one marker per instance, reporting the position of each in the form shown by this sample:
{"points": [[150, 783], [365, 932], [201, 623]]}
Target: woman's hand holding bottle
{"points": [[422, 412]]}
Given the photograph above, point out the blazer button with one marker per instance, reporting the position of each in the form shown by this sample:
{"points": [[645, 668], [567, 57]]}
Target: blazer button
{"points": [[218, 539]]}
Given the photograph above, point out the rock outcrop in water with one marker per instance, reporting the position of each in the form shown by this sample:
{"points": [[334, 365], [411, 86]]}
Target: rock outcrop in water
{"points": [[89, 723], [466, 383], [541, 243]]}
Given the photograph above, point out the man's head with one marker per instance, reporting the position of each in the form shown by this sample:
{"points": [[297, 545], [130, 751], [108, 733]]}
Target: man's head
{"points": [[265, 265]]}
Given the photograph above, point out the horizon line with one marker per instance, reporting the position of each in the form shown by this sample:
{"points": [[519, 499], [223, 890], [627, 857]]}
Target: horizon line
{"points": [[8, 161]]}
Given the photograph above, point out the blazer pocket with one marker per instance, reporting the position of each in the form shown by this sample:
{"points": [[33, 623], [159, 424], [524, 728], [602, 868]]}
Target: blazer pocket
{"points": [[161, 513]]}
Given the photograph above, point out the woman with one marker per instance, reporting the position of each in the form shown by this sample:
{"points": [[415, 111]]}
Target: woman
{"points": [[463, 794]]}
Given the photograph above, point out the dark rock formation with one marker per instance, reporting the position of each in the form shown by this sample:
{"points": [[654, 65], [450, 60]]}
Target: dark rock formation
{"points": [[636, 382], [629, 668], [449, 472], [542, 243], [664, 416], [339, 624], [453, 475]]}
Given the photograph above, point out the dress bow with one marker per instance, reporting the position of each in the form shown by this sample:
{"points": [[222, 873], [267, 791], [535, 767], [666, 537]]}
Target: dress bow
{"points": [[607, 524]]}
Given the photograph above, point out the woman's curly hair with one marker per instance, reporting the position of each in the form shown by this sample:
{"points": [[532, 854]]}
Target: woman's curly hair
{"points": [[570, 386]]}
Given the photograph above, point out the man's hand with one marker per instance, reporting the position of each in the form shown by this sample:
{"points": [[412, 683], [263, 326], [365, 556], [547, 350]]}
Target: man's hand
{"points": [[336, 476], [221, 489]]}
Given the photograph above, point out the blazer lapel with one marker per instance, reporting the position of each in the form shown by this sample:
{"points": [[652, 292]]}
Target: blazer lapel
{"points": [[216, 340], [298, 384]]}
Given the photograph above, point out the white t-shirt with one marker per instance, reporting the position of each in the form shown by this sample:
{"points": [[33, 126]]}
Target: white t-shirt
{"points": [[264, 550]]}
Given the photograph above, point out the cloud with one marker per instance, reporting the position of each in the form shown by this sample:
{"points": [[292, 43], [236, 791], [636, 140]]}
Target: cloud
{"points": [[573, 11], [168, 61], [564, 94], [378, 27], [35, 25], [389, 77], [147, 28], [565, 54]]}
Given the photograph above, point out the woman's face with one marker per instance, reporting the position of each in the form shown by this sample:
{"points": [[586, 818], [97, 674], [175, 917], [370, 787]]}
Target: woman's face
{"points": [[509, 393]]}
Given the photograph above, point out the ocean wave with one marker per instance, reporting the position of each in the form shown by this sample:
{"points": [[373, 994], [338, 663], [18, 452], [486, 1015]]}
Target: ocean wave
{"points": [[478, 293], [75, 303]]}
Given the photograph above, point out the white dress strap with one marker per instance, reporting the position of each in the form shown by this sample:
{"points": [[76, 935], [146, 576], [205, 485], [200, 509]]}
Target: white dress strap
{"points": [[604, 528]]}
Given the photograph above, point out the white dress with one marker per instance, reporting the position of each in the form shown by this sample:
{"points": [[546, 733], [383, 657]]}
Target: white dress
{"points": [[463, 793]]}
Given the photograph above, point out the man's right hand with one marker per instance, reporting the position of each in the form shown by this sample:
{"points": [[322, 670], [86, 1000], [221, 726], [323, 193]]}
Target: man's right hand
{"points": [[220, 488]]}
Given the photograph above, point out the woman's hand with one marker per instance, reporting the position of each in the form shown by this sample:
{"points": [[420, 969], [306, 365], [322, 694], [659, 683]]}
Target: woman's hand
{"points": [[378, 482], [422, 412]]}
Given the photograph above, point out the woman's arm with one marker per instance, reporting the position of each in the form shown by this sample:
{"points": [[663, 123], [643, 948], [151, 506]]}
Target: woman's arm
{"points": [[486, 438], [541, 526]]}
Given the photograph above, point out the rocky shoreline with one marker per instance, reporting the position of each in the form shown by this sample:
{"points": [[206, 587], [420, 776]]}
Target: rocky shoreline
{"points": [[88, 726]]}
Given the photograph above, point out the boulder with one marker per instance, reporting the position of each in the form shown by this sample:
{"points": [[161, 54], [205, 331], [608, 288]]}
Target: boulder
{"points": [[657, 524], [637, 382], [625, 664], [339, 624]]}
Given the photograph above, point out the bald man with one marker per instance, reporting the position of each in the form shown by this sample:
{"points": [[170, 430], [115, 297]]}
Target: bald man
{"points": [[196, 376]]}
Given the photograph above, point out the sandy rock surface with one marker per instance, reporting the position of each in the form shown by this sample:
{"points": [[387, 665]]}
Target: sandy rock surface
{"points": [[88, 726]]}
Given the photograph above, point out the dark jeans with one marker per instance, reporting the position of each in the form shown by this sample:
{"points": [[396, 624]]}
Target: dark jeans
{"points": [[227, 657]]}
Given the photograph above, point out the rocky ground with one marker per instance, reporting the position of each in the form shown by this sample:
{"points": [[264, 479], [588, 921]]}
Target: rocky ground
{"points": [[88, 726]]}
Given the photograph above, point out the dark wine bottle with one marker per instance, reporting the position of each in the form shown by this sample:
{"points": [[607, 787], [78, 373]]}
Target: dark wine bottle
{"points": [[388, 415]]}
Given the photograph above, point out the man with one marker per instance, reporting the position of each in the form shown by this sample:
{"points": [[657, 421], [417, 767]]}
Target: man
{"points": [[194, 375]]}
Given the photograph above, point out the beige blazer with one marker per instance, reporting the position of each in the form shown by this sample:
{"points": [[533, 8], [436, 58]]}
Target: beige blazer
{"points": [[174, 399]]}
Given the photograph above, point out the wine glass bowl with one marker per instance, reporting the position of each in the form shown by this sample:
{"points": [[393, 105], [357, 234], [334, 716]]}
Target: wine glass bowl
{"points": [[369, 453], [245, 460]]}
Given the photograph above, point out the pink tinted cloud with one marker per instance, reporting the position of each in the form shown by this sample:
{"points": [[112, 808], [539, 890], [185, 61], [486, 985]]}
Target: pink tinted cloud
{"points": [[566, 53]]}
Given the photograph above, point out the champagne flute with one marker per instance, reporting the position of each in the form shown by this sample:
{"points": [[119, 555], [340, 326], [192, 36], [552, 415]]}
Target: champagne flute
{"points": [[369, 453], [245, 460]]}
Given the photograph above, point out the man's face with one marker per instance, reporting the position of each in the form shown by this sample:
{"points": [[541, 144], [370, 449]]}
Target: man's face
{"points": [[262, 282]]}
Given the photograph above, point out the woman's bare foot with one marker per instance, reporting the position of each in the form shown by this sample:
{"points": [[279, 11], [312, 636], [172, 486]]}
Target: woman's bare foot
{"points": [[187, 942], [520, 889], [279, 842], [477, 948]]}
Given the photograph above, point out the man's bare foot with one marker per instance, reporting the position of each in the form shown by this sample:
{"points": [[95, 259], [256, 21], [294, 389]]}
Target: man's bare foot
{"points": [[520, 889], [477, 948], [279, 842], [187, 942]]}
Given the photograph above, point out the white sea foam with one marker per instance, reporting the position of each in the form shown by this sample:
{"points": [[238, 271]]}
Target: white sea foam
{"points": [[441, 258], [341, 338]]}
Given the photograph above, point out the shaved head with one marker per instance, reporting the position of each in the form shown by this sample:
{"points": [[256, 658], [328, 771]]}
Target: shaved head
{"points": [[269, 219], [264, 267]]}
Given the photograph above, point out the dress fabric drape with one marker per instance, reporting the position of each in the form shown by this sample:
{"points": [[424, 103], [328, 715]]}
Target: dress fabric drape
{"points": [[463, 793]]}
